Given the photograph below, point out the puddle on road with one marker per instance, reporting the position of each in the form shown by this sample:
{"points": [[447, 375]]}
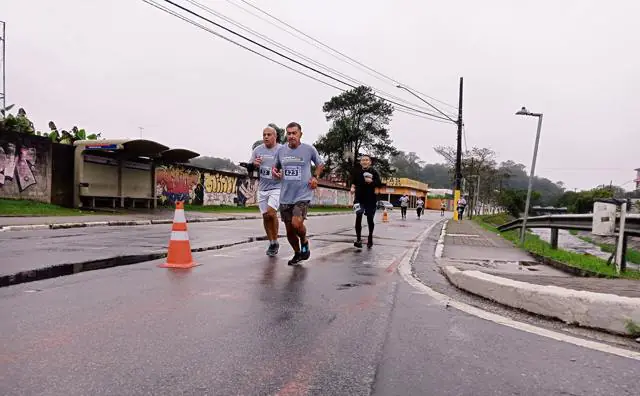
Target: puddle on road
{"points": [[349, 285]]}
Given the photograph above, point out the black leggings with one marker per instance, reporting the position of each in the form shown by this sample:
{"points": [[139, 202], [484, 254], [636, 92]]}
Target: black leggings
{"points": [[403, 211], [370, 223]]}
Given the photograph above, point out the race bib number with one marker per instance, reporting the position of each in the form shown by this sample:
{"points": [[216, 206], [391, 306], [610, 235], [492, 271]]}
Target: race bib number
{"points": [[265, 173], [292, 172]]}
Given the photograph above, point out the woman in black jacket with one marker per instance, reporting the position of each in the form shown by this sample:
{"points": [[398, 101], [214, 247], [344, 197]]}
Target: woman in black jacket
{"points": [[364, 182]]}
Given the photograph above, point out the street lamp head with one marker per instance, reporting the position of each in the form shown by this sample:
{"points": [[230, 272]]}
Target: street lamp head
{"points": [[399, 86], [523, 111]]}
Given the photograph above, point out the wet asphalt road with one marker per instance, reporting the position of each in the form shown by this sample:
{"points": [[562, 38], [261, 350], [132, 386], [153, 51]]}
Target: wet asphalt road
{"points": [[243, 324], [27, 250]]}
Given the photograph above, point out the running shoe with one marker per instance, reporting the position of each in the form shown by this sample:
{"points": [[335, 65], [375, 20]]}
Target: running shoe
{"points": [[295, 260], [305, 253], [273, 249]]}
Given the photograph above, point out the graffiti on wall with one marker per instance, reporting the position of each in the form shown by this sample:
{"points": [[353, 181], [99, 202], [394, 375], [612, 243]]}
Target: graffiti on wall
{"points": [[344, 198], [24, 168], [219, 189], [17, 166], [176, 183], [323, 196], [247, 192]]}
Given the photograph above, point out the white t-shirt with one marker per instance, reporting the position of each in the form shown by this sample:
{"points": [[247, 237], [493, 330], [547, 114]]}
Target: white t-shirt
{"points": [[404, 202]]}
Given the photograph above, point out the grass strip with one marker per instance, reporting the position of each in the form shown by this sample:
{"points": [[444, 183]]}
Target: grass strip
{"points": [[534, 244]]}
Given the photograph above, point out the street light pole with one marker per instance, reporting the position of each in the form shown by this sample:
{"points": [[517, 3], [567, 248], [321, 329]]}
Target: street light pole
{"points": [[525, 112]]}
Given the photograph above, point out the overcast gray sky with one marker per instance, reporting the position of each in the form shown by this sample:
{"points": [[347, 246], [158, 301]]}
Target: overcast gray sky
{"points": [[112, 66]]}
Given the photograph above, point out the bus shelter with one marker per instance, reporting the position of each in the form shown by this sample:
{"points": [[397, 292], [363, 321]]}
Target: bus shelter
{"points": [[120, 172]]}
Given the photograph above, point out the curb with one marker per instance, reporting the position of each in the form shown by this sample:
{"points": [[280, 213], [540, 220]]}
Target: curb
{"points": [[124, 223], [58, 270], [440, 244], [607, 312]]}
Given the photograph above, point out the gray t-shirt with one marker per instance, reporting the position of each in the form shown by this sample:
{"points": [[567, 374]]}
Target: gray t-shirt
{"points": [[404, 201], [296, 172], [267, 181]]}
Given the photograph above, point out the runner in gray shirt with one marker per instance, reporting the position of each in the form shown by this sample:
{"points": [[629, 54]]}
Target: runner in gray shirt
{"points": [[293, 167], [263, 159]]}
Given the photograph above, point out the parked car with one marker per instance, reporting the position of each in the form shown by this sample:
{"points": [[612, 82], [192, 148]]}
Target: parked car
{"points": [[384, 205]]}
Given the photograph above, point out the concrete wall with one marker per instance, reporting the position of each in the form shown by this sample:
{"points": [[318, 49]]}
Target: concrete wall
{"points": [[325, 196], [434, 203], [62, 175], [25, 167]]}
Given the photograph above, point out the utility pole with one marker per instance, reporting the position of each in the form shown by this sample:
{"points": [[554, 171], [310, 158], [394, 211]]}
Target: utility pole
{"points": [[3, 93], [141, 129], [456, 195]]}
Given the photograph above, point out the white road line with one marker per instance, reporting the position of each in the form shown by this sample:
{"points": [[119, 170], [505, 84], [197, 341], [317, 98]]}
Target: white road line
{"points": [[406, 273]]}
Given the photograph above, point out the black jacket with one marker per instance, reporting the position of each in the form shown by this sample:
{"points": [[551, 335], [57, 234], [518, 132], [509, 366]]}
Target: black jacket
{"points": [[365, 192]]}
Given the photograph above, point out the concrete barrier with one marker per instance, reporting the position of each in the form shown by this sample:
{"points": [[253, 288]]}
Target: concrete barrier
{"points": [[595, 310]]}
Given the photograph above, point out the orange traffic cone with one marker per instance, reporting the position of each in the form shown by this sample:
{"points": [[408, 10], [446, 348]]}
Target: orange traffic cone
{"points": [[385, 216], [179, 255]]}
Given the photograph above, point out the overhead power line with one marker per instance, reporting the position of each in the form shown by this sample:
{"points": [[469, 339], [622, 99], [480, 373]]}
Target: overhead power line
{"points": [[176, 14], [277, 53], [169, 11], [380, 76], [294, 52]]}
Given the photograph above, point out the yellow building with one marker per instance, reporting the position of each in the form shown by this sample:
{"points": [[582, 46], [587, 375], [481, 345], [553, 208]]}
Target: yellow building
{"points": [[395, 187]]}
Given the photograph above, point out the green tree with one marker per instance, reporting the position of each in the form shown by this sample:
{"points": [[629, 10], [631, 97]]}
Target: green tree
{"points": [[359, 123], [514, 201], [582, 201]]}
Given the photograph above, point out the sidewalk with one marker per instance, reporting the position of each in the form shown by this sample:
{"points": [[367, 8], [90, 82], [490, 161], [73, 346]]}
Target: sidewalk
{"points": [[484, 264]]}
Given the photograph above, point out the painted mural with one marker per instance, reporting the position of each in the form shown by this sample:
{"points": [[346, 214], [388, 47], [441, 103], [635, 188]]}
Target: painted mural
{"points": [[25, 168], [177, 183], [219, 189], [247, 192]]}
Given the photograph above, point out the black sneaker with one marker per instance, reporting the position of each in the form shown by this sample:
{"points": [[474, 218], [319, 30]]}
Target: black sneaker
{"points": [[370, 242], [295, 260], [305, 253], [273, 249], [358, 243]]}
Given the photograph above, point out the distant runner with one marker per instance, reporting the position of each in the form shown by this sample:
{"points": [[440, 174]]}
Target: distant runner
{"points": [[443, 207], [404, 204], [293, 167], [462, 204], [364, 183], [420, 207], [263, 159]]}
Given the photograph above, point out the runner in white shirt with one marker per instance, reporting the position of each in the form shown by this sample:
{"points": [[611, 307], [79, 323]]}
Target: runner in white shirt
{"points": [[419, 207], [263, 159]]}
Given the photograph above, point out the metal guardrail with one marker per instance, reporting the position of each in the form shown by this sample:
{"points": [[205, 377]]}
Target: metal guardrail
{"points": [[580, 222]]}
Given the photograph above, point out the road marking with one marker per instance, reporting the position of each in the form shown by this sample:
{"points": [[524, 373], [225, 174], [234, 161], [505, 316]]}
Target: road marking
{"points": [[405, 271], [464, 235]]}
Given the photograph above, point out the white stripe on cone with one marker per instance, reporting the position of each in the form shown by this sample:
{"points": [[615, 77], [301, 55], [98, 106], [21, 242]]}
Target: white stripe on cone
{"points": [[179, 236], [178, 217]]}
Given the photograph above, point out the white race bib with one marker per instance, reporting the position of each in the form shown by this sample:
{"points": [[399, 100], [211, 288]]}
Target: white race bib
{"points": [[292, 172], [265, 172]]}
